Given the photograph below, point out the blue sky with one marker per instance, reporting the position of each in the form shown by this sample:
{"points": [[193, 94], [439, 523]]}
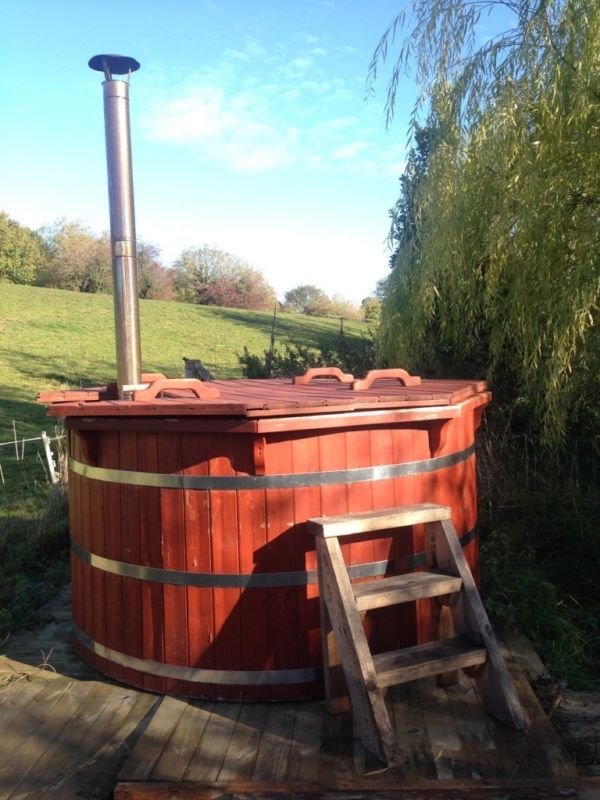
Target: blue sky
{"points": [[250, 128]]}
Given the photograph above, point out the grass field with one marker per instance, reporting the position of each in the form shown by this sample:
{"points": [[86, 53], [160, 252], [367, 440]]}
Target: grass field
{"points": [[55, 339]]}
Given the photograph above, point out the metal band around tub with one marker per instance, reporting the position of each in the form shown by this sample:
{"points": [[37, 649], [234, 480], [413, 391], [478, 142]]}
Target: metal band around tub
{"points": [[228, 677], [290, 480], [254, 580]]}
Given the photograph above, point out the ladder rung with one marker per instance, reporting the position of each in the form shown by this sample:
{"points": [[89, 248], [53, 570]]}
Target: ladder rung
{"points": [[433, 658], [369, 521], [403, 589]]}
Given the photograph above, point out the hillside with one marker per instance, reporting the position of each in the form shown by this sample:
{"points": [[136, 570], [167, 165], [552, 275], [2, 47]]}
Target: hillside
{"points": [[55, 339]]}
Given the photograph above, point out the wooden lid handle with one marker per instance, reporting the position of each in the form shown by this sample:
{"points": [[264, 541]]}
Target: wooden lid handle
{"points": [[203, 391], [381, 374], [323, 372]]}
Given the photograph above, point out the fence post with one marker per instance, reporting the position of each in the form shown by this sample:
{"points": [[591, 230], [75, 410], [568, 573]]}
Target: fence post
{"points": [[49, 457]]}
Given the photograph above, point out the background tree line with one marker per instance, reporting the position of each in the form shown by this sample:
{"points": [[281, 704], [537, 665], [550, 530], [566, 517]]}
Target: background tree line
{"points": [[69, 255]]}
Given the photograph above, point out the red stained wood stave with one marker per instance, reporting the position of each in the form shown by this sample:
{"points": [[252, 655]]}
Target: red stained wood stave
{"points": [[248, 532]]}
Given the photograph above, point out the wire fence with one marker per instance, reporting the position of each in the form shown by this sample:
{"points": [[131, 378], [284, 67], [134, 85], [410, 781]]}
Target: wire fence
{"points": [[50, 461]]}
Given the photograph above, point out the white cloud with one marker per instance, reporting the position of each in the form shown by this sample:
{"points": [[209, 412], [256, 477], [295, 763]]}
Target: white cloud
{"points": [[302, 63], [349, 151], [250, 111]]}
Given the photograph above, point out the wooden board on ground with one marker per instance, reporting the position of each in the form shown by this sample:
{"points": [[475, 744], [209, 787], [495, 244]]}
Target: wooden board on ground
{"points": [[443, 734], [64, 738], [577, 789], [79, 735]]}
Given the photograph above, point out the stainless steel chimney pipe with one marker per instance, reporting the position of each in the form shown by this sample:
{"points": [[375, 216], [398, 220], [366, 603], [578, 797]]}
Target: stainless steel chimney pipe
{"points": [[122, 219]]}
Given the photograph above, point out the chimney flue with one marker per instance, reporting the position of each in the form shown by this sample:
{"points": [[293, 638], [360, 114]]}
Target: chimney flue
{"points": [[122, 218]]}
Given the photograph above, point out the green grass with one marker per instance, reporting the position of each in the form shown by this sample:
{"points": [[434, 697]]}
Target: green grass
{"points": [[56, 339]]}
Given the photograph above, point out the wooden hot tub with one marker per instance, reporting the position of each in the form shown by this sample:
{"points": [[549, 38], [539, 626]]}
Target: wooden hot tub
{"points": [[192, 570]]}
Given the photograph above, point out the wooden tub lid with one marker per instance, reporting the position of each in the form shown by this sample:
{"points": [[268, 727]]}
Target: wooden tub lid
{"points": [[321, 390]]}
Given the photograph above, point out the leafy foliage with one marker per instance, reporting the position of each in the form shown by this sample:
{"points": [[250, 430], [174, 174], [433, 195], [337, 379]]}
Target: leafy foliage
{"points": [[312, 301], [208, 276], [154, 281], [495, 272], [499, 271], [78, 260], [350, 354], [540, 544], [22, 252], [307, 299], [371, 309]]}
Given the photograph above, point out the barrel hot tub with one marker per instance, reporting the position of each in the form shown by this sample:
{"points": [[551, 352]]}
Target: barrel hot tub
{"points": [[192, 569]]}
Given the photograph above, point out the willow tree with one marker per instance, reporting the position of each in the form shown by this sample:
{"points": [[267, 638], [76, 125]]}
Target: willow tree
{"points": [[502, 268]]}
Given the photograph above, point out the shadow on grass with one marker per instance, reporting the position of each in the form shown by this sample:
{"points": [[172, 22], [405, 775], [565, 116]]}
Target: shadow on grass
{"points": [[308, 331]]}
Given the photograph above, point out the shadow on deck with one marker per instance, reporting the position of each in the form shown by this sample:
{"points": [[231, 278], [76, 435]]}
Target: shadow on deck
{"points": [[73, 734]]}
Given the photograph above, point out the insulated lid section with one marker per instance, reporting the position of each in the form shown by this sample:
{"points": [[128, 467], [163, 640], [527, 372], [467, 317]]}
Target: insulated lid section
{"points": [[323, 392]]}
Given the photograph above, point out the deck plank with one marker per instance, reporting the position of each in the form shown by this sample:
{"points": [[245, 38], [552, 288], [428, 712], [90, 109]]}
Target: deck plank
{"points": [[208, 758], [576, 789], [150, 746], [241, 754], [336, 760], [546, 755], [451, 762], [51, 766], [96, 771], [16, 700], [29, 720], [182, 744], [33, 734], [96, 751], [312, 748], [303, 762], [474, 731], [275, 743], [411, 734]]}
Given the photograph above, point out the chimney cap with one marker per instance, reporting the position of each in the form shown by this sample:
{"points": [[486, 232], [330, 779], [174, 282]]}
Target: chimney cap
{"points": [[116, 65]]}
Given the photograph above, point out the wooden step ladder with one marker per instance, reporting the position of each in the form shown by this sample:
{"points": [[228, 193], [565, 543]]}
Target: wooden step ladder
{"points": [[471, 646]]}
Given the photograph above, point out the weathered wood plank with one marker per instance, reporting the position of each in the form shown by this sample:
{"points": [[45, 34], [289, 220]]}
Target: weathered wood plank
{"points": [[52, 765], [577, 789], [471, 621], [208, 758], [415, 756], [336, 690], [28, 718], [275, 743], [421, 661], [99, 752], [242, 752], [16, 699], [336, 756], [384, 519], [33, 734], [303, 761], [367, 702], [403, 589], [473, 727], [452, 761], [149, 748], [546, 754], [17, 670], [182, 743]]}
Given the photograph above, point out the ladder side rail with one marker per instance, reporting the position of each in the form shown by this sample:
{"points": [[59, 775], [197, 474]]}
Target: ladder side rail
{"points": [[471, 620], [367, 700]]}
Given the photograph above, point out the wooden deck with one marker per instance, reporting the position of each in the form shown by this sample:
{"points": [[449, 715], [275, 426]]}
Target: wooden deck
{"points": [[72, 734]]}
